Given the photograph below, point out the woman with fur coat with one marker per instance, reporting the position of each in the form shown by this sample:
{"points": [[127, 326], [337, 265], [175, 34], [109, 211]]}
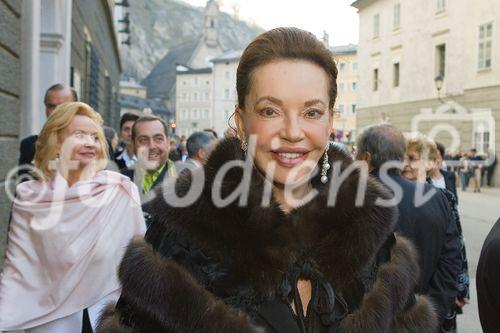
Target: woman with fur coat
{"points": [[280, 231]]}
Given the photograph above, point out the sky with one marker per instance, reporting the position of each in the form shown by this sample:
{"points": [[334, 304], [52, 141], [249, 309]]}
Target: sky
{"points": [[336, 17]]}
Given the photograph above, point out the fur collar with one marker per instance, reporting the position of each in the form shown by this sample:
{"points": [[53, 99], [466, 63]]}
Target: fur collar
{"points": [[258, 243]]}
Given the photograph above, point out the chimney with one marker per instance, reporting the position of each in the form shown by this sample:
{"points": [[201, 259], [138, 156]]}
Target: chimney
{"points": [[326, 38]]}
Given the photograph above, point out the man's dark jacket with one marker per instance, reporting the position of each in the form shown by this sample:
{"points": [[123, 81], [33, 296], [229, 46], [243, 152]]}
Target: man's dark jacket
{"points": [[450, 181], [27, 150], [488, 281], [436, 238]]}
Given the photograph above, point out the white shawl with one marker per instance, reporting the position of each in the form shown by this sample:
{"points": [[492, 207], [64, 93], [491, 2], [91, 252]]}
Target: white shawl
{"points": [[65, 245]]}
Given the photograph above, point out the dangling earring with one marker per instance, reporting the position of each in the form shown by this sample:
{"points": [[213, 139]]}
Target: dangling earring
{"points": [[244, 145], [325, 165]]}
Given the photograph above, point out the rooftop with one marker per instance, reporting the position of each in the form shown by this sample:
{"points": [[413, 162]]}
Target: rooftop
{"points": [[344, 49], [232, 55]]}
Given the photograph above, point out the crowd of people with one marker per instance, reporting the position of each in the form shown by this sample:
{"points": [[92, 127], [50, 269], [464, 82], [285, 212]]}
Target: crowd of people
{"points": [[274, 240]]}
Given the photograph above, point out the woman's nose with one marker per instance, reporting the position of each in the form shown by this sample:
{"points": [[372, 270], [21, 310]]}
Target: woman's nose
{"points": [[292, 129]]}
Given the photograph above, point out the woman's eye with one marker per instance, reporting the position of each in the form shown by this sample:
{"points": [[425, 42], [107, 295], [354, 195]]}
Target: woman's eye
{"points": [[268, 112], [313, 114], [79, 135]]}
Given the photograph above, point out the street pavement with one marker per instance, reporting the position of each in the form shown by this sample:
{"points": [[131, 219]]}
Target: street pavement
{"points": [[478, 213]]}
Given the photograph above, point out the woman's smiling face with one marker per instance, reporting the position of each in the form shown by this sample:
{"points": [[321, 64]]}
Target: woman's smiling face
{"points": [[287, 109]]}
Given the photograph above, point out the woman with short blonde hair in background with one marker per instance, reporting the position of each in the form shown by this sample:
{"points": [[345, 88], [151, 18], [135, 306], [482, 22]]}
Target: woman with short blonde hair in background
{"points": [[68, 229]]}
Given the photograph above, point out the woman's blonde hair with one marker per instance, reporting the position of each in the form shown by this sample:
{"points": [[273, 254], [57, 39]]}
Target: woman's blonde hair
{"points": [[420, 143], [48, 143]]}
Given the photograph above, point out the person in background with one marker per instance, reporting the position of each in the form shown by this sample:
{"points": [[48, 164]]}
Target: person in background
{"points": [[112, 144], [151, 146], [126, 158], [490, 167], [199, 147], [174, 153], [427, 225], [441, 178], [422, 159], [214, 133], [476, 166], [487, 281], [54, 96], [68, 230]]}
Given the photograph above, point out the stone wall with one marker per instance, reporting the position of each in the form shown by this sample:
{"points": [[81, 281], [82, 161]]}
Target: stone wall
{"points": [[10, 74]]}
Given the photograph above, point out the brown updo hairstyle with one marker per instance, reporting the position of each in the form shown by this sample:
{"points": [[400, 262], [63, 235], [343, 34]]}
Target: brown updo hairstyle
{"points": [[284, 44]]}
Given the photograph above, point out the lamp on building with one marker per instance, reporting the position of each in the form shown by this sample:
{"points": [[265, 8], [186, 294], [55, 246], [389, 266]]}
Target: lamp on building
{"points": [[127, 41], [125, 30], [439, 85], [124, 3], [125, 19]]}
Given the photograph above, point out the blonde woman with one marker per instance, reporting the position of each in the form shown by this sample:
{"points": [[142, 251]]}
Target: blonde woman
{"points": [[68, 229]]}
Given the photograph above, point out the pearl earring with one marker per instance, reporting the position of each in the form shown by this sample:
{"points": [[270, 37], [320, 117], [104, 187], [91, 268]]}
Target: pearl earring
{"points": [[325, 165]]}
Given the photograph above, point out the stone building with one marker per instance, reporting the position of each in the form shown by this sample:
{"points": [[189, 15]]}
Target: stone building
{"points": [[193, 99], [224, 89], [432, 66], [195, 54], [344, 123]]}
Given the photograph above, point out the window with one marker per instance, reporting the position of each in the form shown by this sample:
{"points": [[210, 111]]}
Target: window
{"points": [[395, 75], [441, 6], [205, 114], [353, 108], [354, 66], [341, 108], [485, 46], [183, 96], [195, 96], [226, 93], [481, 138], [341, 86], [397, 16], [441, 60], [342, 66], [353, 85], [376, 25], [226, 114], [195, 80], [207, 96], [375, 79], [194, 114], [227, 74]]}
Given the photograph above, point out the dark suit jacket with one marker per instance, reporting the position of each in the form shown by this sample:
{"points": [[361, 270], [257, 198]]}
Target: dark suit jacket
{"points": [[27, 149], [435, 235], [451, 182], [488, 281], [27, 152]]}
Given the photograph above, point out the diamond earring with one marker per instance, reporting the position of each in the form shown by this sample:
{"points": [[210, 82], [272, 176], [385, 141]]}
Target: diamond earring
{"points": [[244, 145], [325, 166]]}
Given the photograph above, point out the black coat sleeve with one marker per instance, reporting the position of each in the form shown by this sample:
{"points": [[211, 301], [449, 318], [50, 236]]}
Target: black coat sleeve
{"points": [[443, 284], [488, 281]]}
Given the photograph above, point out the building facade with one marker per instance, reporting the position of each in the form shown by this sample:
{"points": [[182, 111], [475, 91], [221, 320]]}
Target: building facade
{"points": [[193, 100], [224, 89], [344, 122], [432, 66], [196, 54]]}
